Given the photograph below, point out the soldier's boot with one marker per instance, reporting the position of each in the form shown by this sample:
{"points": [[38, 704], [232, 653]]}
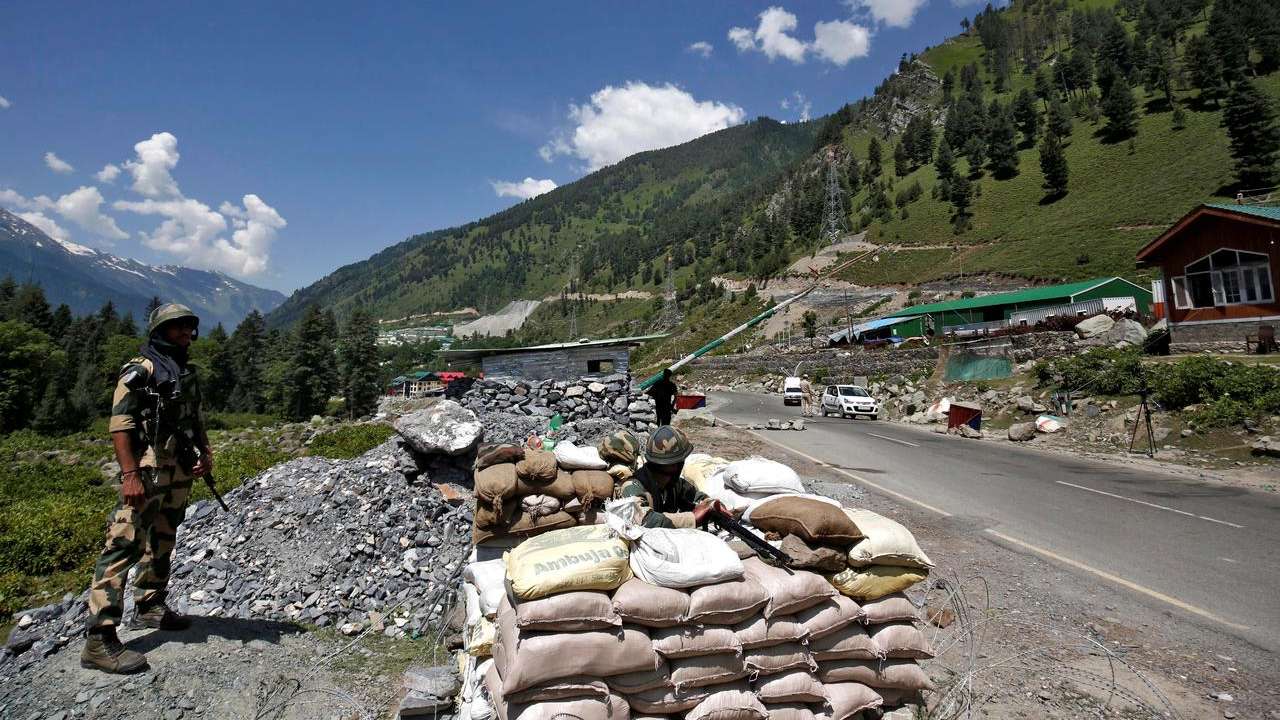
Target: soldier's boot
{"points": [[104, 651], [160, 617]]}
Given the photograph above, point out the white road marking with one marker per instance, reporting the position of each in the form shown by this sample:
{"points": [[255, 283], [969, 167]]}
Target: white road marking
{"points": [[1149, 504], [1142, 589], [900, 442], [1117, 580]]}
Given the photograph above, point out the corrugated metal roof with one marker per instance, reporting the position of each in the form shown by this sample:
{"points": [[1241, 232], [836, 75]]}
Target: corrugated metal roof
{"points": [[1030, 295], [483, 352], [1270, 212], [876, 324]]}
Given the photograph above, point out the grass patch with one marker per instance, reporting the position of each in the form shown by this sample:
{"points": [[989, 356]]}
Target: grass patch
{"points": [[348, 441], [904, 267]]}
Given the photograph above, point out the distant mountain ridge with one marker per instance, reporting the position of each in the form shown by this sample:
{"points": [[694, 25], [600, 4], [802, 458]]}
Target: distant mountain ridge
{"points": [[85, 278]]}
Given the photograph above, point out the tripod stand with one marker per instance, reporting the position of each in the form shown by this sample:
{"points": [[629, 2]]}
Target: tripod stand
{"points": [[1144, 417]]}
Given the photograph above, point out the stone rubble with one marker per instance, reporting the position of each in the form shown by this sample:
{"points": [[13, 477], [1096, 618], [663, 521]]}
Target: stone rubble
{"points": [[610, 399]]}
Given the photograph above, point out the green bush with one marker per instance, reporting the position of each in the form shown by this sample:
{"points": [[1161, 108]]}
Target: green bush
{"points": [[1222, 412], [348, 441], [237, 421], [238, 463], [1203, 379], [51, 533], [1106, 371]]}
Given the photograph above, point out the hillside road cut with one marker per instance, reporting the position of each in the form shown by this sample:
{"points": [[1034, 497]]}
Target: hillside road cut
{"points": [[1205, 551]]}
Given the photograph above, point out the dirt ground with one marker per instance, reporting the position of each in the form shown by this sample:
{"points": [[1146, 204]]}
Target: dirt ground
{"points": [[1029, 639]]}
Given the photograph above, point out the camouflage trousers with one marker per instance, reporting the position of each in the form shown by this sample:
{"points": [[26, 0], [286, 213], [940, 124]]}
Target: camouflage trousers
{"points": [[143, 537]]}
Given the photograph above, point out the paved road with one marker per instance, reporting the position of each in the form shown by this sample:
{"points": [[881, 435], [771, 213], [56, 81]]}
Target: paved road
{"points": [[1205, 550]]}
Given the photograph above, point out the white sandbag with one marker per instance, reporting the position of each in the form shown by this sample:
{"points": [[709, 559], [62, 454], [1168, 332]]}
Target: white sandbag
{"points": [[887, 542], [476, 704], [713, 487], [490, 579], [478, 633], [578, 457], [759, 475], [672, 558]]}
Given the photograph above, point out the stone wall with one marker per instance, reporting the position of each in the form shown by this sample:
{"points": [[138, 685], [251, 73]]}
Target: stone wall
{"points": [[1215, 337], [609, 398]]}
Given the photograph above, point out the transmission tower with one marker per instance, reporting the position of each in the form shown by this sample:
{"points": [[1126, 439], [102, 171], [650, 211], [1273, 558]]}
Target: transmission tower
{"points": [[670, 309], [833, 219]]}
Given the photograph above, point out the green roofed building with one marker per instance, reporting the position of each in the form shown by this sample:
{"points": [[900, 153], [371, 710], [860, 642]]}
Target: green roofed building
{"points": [[1033, 304]]}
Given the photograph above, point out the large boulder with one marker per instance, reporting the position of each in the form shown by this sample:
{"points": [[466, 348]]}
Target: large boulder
{"points": [[1094, 326], [1125, 333], [1022, 432], [1028, 405], [445, 429], [1267, 447]]}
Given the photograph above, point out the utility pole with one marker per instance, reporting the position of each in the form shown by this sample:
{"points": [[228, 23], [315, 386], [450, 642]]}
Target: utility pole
{"points": [[573, 302], [833, 219]]}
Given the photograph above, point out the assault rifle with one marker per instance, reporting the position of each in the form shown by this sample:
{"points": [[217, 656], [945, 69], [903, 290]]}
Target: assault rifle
{"points": [[187, 452], [729, 524]]}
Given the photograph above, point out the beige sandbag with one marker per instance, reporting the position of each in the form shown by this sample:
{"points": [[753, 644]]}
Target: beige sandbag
{"points": [[779, 658], [592, 486], [659, 676], [895, 698], [876, 581], [525, 660], [877, 674], [478, 638], [667, 700], [539, 506], [727, 603], [589, 557], [901, 641], [830, 616], [849, 699], [699, 466], [588, 708], [568, 612], [694, 640], [577, 697], [818, 558], [562, 689], [895, 607], [789, 591], [785, 711], [729, 705], [496, 483], [524, 526], [849, 643], [886, 542], [814, 520], [758, 632], [538, 467], [706, 670], [620, 473], [797, 686], [639, 602]]}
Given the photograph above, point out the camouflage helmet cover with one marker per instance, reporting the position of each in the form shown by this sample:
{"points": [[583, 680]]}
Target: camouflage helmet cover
{"points": [[169, 312], [621, 447], [667, 446]]}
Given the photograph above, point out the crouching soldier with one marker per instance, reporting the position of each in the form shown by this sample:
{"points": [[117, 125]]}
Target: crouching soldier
{"points": [[668, 499], [157, 429]]}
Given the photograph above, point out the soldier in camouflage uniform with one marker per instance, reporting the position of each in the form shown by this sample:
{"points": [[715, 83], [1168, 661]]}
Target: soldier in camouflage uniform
{"points": [[669, 500], [157, 428]]}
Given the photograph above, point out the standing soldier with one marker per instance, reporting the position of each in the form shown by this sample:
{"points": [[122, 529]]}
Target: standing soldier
{"points": [[157, 428], [806, 396], [664, 394]]}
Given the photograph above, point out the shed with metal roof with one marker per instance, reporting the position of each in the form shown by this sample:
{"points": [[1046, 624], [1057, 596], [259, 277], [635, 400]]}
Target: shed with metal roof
{"points": [[556, 361]]}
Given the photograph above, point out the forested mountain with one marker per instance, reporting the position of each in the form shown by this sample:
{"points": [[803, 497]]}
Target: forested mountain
{"points": [[1049, 140], [85, 278]]}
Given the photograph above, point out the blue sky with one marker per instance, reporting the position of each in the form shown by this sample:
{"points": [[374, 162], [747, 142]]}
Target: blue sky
{"points": [[278, 141]]}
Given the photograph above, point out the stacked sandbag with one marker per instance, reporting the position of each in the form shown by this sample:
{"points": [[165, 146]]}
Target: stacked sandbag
{"points": [[522, 492]]}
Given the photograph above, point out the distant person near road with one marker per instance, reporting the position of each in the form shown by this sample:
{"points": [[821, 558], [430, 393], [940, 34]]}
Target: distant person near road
{"points": [[663, 393], [157, 428], [806, 396]]}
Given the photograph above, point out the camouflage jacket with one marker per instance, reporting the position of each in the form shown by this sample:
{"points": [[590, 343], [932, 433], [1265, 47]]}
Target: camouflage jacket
{"points": [[667, 507], [133, 411]]}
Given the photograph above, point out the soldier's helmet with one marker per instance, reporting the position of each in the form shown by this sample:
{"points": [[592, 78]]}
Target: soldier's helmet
{"points": [[667, 446], [168, 313], [621, 447]]}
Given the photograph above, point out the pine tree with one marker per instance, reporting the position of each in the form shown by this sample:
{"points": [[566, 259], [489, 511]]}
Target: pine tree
{"points": [[308, 378], [1121, 111], [8, 291], [217, 378], [948, 85], [247, 359], [1058, 120], [1044, 87], [30, 307], [1205, 69], [945, 162], [1250, 120], [976, 152], [1179, 118], [1159, 72], [1002, 150], [1053, 163], [874, 161], [358, 360], [901, 160], [1024, 113], [961, 197], [152, 304]]}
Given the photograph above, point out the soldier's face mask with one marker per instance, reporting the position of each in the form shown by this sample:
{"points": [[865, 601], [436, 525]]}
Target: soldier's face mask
{"points": [[181, 332], [666, 473]]}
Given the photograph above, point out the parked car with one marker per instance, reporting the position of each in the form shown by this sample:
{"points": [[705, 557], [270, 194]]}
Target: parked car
{"points": [[849, 401], [791, 392]]}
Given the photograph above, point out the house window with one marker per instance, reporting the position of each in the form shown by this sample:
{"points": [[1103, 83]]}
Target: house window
{"points": [[1227, 277], [599, 366]]}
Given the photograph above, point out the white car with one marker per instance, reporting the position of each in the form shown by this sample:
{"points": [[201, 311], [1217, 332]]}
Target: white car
{"points": [[849, 401], [791, 392]]}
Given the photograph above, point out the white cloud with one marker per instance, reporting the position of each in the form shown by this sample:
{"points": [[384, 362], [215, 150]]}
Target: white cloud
{"points": [[83, 207], [772, 36], [894, 13], [802, 105], [622, 121], [702, 47], [840, 41], [57, 164], [12, 199], [4, 103], [525, 189], [46, 224], [151, 171], [742, 38], [108, 173]]}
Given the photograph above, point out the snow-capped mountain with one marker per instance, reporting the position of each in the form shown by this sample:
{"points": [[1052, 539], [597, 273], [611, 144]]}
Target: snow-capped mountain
{"points": [[85, 278]]}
